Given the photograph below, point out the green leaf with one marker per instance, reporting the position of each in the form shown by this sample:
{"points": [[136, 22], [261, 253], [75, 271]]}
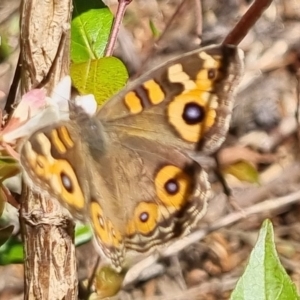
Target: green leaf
{"points": [[83, 234], [5, 234], [90, 29], [154, 30], [5, 49], [8, 30], [102, 77], [8, 168], [244, 171], [11, 252], [265, 278]]}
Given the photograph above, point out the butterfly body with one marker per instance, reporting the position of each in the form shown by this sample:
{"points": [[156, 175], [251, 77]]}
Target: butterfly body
{"points": [[128, 170]]}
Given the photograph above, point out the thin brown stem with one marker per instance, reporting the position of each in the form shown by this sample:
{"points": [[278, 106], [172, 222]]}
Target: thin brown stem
{"points": [[116, 27], [246, 22]]}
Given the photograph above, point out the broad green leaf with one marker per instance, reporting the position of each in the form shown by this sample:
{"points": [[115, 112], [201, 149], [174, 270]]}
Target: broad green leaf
{"points": [[5, 49], [244, 171], [83, 234], [8, 29], [5, 234], [265, 278], [8, 167], [11, 252], [102, 77], [90, 29]]}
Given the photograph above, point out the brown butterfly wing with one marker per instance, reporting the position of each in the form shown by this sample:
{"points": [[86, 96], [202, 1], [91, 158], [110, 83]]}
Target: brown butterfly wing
{"points": [[48, 158], [58, 162], [152, 192], [127, 169], [186, 103]]}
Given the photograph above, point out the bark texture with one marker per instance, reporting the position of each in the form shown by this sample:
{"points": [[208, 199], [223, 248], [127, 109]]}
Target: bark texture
{"points": [[48, 234]]}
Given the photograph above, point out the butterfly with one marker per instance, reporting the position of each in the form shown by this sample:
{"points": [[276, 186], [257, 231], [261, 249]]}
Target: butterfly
{"points": [[129, 169]]}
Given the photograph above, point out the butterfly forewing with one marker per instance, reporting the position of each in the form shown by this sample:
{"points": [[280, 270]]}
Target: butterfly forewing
{"points": [[48, 158], [186, 103]]}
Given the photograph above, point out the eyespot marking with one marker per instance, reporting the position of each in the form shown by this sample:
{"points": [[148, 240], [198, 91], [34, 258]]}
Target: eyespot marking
{"points": [[192, 114], [103, 228], [99, 224], [144, 217], [211, 74], [57, 174], [133, 102], [66, 182], [173, 186], [204, 81], [144, 220]]}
